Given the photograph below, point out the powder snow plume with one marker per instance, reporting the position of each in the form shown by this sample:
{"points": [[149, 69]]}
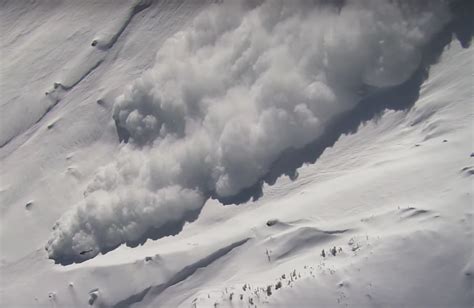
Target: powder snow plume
{"points": [[226, 96]]}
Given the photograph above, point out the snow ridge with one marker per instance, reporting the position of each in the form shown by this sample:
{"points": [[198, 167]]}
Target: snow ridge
{"points": [[76, 70]]}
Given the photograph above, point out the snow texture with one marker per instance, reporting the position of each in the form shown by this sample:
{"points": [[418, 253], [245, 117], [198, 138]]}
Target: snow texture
{"points": [[226, 97], [375, 212]]}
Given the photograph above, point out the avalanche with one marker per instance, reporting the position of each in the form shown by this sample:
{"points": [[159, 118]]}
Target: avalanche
{"points": [[236, 153]]}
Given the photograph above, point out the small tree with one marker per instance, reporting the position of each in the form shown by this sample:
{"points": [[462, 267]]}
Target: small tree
{"points": [[269, 290]]}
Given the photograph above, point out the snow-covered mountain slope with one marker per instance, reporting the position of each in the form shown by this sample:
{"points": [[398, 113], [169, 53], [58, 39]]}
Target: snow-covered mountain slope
{"points": [[390, 203], [49, 162]]}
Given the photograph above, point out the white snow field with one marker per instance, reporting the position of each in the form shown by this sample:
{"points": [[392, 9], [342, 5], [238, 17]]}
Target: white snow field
{"points": [[195, 153]]}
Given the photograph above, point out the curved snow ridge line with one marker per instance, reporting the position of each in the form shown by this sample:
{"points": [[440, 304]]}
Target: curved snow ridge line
{"points": [[180, 276], [84, 64], [107, 42], [88, 61], [302, 238], [45, 105]]}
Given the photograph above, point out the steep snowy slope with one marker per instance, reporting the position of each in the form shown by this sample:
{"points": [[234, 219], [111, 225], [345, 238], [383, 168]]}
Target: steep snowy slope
{"points": [[51, 156], [393, 197]]}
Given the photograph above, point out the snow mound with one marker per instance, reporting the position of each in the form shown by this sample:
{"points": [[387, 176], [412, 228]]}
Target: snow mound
{"points": [[227, 97]]}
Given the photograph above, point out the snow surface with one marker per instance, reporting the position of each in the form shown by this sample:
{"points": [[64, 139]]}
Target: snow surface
{"points": [[190, 84]]}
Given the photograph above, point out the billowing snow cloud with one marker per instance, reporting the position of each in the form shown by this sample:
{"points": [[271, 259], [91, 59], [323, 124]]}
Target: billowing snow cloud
{"points": [[227, 96]]}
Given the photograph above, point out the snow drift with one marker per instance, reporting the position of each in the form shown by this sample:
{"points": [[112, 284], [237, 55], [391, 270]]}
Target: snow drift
{"points": [[227, 97]]}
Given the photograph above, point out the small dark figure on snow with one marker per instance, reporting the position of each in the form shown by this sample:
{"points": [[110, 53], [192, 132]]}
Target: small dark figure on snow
{"points": [[85, 251]]}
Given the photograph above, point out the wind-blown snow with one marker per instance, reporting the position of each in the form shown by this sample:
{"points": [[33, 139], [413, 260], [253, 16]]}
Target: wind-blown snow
{"points": [[227, 96]]}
